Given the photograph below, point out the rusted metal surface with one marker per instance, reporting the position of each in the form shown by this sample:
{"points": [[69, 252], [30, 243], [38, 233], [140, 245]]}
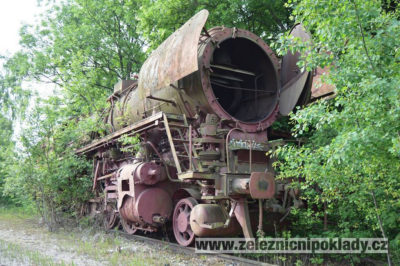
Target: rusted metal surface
{"points": [[291, 92], [320, 88], [243, 216], [184, 235], [151, 202], [136, 127], [148, 173], [111, 217], [289, 62], [262, 185], [209, 220], [125, 183], [253, 116], [175, 58], [201, 112], [129, 227], [293, 79], [229, 72], [138, 203], [122, 85]]}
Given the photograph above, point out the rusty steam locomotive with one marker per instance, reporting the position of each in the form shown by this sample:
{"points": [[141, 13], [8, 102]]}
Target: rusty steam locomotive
{"points": [[202, 106]]}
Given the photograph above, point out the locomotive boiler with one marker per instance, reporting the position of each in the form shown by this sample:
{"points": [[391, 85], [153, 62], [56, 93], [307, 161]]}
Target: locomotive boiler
{"points": [[201, 108]]}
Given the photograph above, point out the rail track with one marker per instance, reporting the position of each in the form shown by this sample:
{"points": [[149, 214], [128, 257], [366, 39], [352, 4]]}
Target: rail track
{"points": [[235, 260]]}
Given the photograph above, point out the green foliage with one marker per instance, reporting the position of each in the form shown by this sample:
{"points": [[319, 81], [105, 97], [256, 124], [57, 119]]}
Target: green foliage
{"points": [[6, 155], [158, 19], [48, 171], [83, 48], [351, 159], [13, 98], [130, 143], [282, 124]]}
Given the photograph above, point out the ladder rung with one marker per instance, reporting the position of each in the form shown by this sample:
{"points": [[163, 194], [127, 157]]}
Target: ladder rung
{"points": [[172, 144], [180, 140], [185, 156], [112, 196], [172, 124], [111, 188]]}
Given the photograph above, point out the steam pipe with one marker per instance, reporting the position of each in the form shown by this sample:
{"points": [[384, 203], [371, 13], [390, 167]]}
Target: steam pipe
{"points": [[162, 160], [227, 146]]}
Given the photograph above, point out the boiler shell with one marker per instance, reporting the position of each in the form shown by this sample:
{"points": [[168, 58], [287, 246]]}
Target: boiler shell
{"points": [[193, 93]]}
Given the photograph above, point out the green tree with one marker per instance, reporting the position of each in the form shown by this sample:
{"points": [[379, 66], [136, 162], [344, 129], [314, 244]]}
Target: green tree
{"points": [[6, 155], [158, 19], [13, 98], [350, 161], [49, 172], [83, 47]]}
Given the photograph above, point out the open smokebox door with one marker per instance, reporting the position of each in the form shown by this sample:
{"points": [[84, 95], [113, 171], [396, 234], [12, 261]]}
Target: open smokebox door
{"points": [[296, 83], [300, 87], [230, 72]]}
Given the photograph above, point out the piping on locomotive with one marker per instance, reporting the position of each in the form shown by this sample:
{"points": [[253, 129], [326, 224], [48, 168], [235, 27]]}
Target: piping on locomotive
{"points": [[201, 107]]}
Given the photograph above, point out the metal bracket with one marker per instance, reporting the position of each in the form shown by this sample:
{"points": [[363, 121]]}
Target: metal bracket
{"points": [[151, 97], [243, 217]]}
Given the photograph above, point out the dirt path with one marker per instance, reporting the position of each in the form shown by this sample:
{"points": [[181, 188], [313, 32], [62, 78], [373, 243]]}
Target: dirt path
{"points": [[24, 242]]}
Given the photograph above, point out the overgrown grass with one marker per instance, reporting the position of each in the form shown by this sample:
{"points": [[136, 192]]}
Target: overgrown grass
{"points": [[15, 254], [108, 248], [12, 212], [86, 242]]}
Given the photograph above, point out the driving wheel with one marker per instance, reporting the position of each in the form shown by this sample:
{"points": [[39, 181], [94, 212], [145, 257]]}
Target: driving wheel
{"points": [[128, 227], [181, 221], [111, 218]]}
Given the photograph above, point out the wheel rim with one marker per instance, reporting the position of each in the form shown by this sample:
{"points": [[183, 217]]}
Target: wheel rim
{"points": [[181, 221], [111, 218], [128, 227]]}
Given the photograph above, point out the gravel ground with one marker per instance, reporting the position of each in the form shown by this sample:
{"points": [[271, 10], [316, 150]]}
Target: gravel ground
{"points": [[24, 242], [21, 242]]}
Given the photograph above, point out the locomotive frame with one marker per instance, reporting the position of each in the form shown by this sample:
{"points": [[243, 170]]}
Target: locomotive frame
{"points": [[201, 166]]}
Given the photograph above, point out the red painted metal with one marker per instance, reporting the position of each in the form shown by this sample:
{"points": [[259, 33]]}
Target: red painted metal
{"points": [[148, 203], [262, 185], [181, 221], [153, 202], [243, 216], [207, 47], [111, 217], [129, 227], [148, 173], [204, 216]]}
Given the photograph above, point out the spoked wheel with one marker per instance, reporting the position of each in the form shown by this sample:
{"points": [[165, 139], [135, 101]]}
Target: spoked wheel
{"points": [[181, 221], [128, 227], [111, 218]]}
